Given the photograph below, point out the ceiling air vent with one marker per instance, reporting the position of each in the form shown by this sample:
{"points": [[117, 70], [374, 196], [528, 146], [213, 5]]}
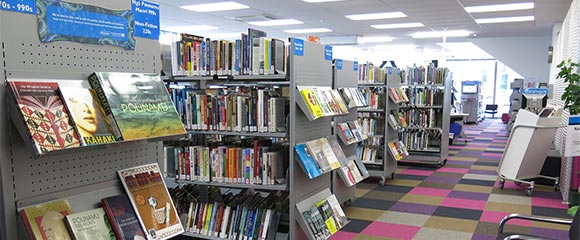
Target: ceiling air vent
{"points": [[254, 18]]}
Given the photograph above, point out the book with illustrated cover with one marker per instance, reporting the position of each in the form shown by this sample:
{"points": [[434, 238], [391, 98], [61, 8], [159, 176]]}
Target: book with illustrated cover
{"points": [[306, 161], [151, 201], [46, 221], [90, 225], [393, 94], [339, 101], [138, 103], [402, 95], [45, 116], [340, 156], [86, 112], [345, 133], [314, 109], [322, 152], [122, 217], [393, 122], [395, 150], [347, 176]]}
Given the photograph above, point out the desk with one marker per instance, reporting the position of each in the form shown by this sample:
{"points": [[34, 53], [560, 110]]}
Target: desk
{"points": [[458, 118]]}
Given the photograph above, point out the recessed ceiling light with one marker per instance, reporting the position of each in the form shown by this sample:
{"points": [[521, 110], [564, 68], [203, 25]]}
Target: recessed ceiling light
{"points": [[278, 22], [373, 16], [319, 1], [500, 7], [230, 35], [308, 30], [214, 7], [397, 25], [454, 33], [191, 28], [505, 19], [374, 39]]}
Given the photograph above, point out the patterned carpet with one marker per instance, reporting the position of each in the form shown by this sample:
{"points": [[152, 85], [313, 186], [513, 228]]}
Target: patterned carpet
{"points": [[461, 200]]}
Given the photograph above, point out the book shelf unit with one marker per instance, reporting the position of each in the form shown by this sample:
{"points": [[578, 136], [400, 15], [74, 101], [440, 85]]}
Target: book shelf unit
{"points": [[83, 175], [439, 128]]}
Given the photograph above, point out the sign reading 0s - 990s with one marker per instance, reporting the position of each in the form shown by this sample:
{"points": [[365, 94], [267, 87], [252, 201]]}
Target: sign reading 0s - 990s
{"points": [[75, 22]]}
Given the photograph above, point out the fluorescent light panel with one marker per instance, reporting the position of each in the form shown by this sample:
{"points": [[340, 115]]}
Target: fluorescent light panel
{"points": [[374, 39], [278, 22], [308, 30], [214, 7], [440, 34], [500, 7], [505, 19], [191, 28], [319, 1], [373, 16], [397, 25]]}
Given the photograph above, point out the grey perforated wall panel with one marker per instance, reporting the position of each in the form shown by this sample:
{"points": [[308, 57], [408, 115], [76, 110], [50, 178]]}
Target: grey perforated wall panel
{"points": [[84, 175], [311, 69]]}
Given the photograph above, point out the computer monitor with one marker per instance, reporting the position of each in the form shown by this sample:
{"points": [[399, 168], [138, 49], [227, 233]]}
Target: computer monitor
{"points": [[469, 87], [535, 99]]}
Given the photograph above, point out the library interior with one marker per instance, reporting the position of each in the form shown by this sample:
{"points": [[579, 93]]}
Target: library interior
{"points": [[295, 119]]}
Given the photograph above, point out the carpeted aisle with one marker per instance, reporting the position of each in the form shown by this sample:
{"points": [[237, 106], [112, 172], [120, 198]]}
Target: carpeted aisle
{"points": [[461, 200]]}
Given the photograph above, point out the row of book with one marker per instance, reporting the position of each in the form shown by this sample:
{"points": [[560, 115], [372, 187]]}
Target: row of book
{"points": [[351, 132], [241, 110], [423, 118], [372, 126], [324, 218], [107, 107], [424, 75], [369, 73], [374, 97], [368, 153], [253, 54], [398, 149], [245, 215], [397, 120], [425, 96], [320, 156], [146, 212], [260, 165], [421, 139]]}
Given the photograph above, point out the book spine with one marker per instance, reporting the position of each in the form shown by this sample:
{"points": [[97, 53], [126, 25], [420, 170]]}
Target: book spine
{"points": [[96, 85]]}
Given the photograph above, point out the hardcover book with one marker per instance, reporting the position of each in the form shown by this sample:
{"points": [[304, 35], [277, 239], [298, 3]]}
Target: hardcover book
{"points": [[122, 217], [45, 116], [151, 201], [46, 221], [90, 225], [138, 103], [86, 112]]}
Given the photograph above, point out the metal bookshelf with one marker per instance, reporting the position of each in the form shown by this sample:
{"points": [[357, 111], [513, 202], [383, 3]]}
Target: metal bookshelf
{"points": [[83, 175], [242, 134], [171, 183]]}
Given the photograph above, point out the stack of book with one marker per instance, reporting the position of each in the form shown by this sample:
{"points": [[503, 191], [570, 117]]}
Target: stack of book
{"points": [[321, 215], [353, 97], [425, 96], [351, 132], [424, 75], [317, 102], [369, 73], [353, 173], [398, 95], [398, 150], [374, 98], [320, 156], [425, 118], [421, 139]]}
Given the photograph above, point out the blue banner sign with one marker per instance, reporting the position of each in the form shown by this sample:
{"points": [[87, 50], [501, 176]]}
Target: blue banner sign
{"points": [[23, 6], [328, 52], [339, 64], [146, 16], [75, 22], [355, 66], [298, 47], [540, 91]]}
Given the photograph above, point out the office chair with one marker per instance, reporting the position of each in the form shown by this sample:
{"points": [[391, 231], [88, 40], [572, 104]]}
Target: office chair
{"points": [[491, 109], [574, 224]]}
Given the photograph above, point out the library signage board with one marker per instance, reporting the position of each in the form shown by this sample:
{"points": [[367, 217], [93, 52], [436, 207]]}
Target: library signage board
{"points": [[75, 22], [339, 64], [146, 15], [355, 65], [298, 47], [328, 53], [23, 6]]}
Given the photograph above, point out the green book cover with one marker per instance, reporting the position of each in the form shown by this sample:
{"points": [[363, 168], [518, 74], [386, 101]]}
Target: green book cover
{"points": [[90, 225], [139, 104]]}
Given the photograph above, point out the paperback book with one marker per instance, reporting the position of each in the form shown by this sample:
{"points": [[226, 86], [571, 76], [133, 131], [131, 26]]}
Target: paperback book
{"points": [[45, 116], [151, 201], [90, 225], [138, 105], [46, 221], [122, 217]]}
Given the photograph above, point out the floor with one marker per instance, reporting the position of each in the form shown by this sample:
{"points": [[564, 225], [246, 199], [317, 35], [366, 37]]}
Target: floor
{"points": [[460, 200]]}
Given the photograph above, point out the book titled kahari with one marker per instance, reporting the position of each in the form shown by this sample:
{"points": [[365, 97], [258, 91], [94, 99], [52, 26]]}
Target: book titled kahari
{"points": [[46, 221], [122, 217], [151, 201], [45, 115], [138, 105], [90, 225]]}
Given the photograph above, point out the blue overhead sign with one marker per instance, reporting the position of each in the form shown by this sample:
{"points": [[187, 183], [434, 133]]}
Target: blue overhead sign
{"points": [[146, 15], [298, 47], [23, 6]]}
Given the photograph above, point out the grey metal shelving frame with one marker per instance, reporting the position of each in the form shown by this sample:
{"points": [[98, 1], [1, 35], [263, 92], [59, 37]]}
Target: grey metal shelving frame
{"points": [[84, 175]]}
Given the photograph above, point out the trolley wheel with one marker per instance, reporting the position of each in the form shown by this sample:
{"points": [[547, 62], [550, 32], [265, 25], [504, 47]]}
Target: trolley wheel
{"points": [[556, 187], [517, 183], [501, 183], [382, 181], [529, 190], [392, 175]]}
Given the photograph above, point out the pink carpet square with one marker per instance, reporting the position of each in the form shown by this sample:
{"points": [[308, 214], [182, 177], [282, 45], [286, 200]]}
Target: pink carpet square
{"points": [[486, 154], [430, 192], [547, 202], [511, 185], [382, 229], [452, 170], [495, 217], [342, 235], [417, 172], [455, 147], [464, 203]]}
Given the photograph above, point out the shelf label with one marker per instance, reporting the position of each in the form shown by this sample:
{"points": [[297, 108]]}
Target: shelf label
{"points": [[298, 47], [75, 22], [23, 6], [573, 137], [536, 91], [390, 70], [339, 64], [328, 52], [146, 15], [355, 66]]}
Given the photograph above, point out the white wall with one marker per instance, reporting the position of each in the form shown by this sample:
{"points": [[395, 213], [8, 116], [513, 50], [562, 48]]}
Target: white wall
{"points": [[528, 56]]}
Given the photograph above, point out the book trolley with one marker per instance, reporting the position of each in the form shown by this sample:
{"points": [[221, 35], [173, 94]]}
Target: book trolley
{"points": [[83, 175]]}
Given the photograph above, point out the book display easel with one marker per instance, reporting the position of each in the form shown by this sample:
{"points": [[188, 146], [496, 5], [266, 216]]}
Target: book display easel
{"points": [[82, 175], [423, 112]]}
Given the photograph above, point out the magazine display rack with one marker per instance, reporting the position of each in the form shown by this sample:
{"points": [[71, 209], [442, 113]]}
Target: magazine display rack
{"points": [[82, 175]]}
